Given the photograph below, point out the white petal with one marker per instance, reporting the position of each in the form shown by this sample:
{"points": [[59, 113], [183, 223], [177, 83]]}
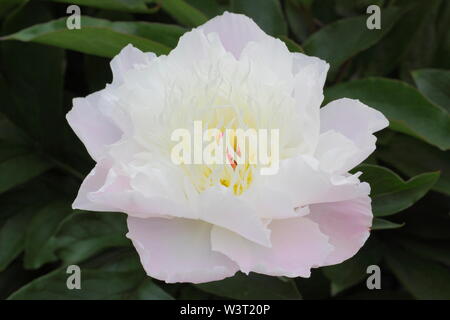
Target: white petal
{"points": [[297, 246], [347, 223], [178, 250], [235, 31], [335, 152], [129, 58], [93, 181], [95, 129], [355, 121], [119, 193], [219, 207], [310, 78], [302, 179], [272, 56]]}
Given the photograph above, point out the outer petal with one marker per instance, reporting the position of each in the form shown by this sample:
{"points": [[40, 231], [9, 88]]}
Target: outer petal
{"points": [[235, 31], [129, 58], [93, 127], [335, 151], [104, 189], [271, 54], [303, 180], [355, 121], [347, 223], [178, 250], [94, 181], [219, 207], [310, 75], [93, 118], [119, 193], [297, 246]]}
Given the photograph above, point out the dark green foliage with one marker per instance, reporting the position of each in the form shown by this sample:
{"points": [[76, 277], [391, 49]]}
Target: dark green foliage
{"points": [[401, 70]]}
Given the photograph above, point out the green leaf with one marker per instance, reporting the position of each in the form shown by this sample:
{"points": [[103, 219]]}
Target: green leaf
{"points": [[116, 260], [398, 152], [436, 250], [422, 278], [390, 193], [12, 237], [396, 46], [102, 37], [6, 6], [40, 242], [132, 6], [208, 7], [407, 110], [86, 233], [183, 12], [253, 287], [31, 89], [299, 18], [267, 14], [95, 285], [18, 208], [291, 44], [435, 85], [354, 270], [18, 165], [381, 224], [341, 40]]}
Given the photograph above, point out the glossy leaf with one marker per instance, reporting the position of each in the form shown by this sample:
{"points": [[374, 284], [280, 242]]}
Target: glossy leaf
{"points": [[252, 287], [399, 45], [19, 165], [407, 110], [31, 89], [424, 279], [133, 6], [291, 44], [87, 233], [412, 157], [437, 250], [95, 285], [267, 14], [40, 243], [390, 193], [435, 85], [382, 224], [184, 13], [354, 270], [345, 38], [102, 37]]}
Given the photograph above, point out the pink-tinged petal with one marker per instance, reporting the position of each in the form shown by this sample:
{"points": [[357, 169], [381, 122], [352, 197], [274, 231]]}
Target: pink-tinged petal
{"points": [[270, 203], [346, 223], [297, 246], [235, 31], [96, 119], [178, 250], [219, 207], [310, 75], [95, 129], [105, 189], [119, 194], [272, 55], [302, 179], [355, 121], [129, 58], [93, 181], [335, 151]]}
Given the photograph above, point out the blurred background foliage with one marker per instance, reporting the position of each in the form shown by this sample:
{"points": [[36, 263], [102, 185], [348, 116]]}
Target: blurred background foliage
{"points": [[401, 70]]}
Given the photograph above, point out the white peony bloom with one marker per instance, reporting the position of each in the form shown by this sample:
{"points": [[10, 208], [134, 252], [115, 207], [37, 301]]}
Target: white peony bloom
{"points": [[199, 222]]}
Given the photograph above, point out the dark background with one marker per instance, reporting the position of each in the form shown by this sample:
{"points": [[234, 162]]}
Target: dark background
{"points": [[401, 69]]}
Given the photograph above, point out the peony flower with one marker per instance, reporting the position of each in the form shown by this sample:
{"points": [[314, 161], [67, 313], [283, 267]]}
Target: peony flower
{"points": [[199, 223]]}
